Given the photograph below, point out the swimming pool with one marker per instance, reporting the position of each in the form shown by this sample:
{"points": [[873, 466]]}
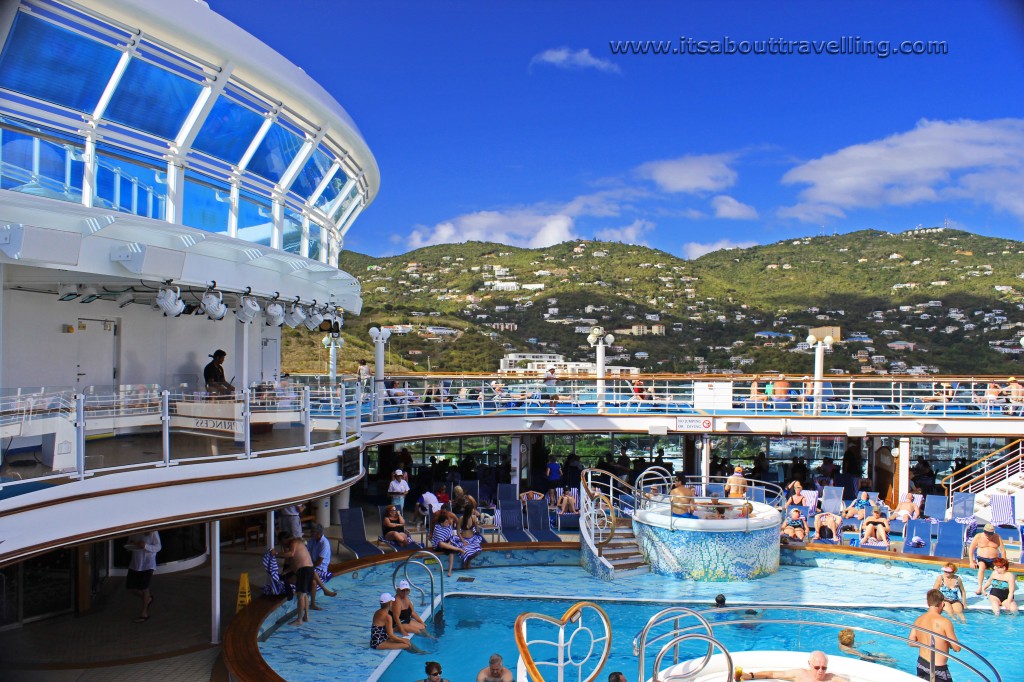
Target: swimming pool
{"points": [[474, 627], [335, 645]]}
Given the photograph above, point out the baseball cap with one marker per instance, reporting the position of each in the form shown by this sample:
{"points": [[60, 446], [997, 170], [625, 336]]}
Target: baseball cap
{"points": [[738, 468], [989, 528], [404, 585], [398, 472], [917, 541], [386, 598]]}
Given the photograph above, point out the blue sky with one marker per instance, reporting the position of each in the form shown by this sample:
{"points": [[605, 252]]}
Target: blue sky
{"points": [[514, 122]]}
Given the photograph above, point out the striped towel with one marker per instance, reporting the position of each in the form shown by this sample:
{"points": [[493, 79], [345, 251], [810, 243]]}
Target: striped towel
{"points": [[1003, 513]]}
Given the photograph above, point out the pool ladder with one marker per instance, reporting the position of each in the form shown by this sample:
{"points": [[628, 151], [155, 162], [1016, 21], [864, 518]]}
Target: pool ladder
{"points": [[672, 639], [414, 560]]}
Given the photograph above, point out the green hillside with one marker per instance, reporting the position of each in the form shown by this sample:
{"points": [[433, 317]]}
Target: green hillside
{"points": [[951, 292]]}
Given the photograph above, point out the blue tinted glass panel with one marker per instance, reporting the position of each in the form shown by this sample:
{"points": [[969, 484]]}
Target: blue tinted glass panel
{"points": [[206, 207], [339, 213], [311, 174], [332, 190], [314, 241], [129, 187], [255, 221], [228, 131], [39, 167], [275, 153], [292, 240], [55, 65], [151, 99]]}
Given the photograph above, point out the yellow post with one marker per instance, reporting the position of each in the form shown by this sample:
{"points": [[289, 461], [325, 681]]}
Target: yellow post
{"points": [[244, 595]]}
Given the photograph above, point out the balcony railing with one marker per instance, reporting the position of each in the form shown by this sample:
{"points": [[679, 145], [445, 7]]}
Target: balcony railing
{"points": [[54, 436]]}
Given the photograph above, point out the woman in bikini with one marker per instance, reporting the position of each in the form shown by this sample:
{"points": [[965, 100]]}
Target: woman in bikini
{"points": [[445, 539], [875, 528], [797, 497], [953, 592]]}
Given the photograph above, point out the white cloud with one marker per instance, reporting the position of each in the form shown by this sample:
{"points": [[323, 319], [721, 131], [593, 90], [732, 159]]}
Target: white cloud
{"points": [[727, 207], [524, 227], [628, 234], [692, 250], [936, 161], [565, 58], [691, 174], [607, 203]]}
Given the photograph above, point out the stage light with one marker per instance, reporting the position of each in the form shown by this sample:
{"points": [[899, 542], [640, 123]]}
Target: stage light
{"points": [[295, 316], [169, 301], [213, 305], [248, 309], [313, 319], [274, 314], [67, 292], [125, 299], [88, 293]]}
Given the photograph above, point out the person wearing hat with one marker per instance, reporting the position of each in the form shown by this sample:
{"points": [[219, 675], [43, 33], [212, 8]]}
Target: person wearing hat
{"points": [[736, 485], [213, 375], [409, 622], [985, 548], [382, 634], [1014, 391], [398, 489]]}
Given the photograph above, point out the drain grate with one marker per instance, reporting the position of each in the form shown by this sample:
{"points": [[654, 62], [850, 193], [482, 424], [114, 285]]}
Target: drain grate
{"points": [[465, 580]]}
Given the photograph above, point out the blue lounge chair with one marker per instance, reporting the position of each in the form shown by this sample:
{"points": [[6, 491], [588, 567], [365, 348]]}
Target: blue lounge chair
{"points": [[353, 534], [506, 491], [1004, 515], [472, 488], [757, 495], [963, 507], [539, 521], [832, 499], [714, 490], [917, 529], [412, 544], [510, 522], [935, 507], [950, 543]]}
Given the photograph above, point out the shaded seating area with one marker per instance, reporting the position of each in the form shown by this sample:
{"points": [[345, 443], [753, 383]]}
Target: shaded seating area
{"points": [[353, 534]]}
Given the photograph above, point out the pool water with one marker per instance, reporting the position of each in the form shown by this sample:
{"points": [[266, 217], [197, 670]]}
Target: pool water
{"points": [[474, 627]]}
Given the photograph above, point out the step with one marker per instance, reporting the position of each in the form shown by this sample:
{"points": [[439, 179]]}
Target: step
{"points": [[625, 573], [629, 566], [610, 554]]}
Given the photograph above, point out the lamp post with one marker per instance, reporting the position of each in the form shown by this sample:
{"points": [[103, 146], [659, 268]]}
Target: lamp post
{"points": [[819, 365], [599, 341], [380, 337]]}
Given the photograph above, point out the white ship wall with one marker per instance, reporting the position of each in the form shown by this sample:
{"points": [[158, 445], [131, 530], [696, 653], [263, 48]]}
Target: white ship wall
{"points": [[151, 348]]}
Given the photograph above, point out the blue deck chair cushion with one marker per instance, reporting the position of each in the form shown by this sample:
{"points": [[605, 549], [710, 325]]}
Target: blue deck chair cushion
{"points": [[963, 506], [950, 543], [539, 522], [917, 537], [935, 507], [353, 533], [511, 525]]}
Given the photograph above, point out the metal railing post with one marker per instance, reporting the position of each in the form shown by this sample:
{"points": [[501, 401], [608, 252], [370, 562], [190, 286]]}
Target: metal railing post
{"points": [[344, 413], [307, 419], [80, 434], [246, 417], [165, 426]]}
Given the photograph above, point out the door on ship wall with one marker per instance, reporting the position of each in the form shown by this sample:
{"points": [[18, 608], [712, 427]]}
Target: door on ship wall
{"points": [[270, 362], [97, 356]]}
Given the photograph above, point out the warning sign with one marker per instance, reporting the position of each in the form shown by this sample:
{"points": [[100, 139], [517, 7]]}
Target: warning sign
{"points": [[695, 424]]}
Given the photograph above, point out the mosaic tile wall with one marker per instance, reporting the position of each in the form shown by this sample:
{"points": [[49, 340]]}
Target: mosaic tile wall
{"points": [[707, 555]]}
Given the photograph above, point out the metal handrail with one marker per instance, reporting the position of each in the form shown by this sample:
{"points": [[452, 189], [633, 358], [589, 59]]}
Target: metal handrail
{"points": [[1019, 444], [712, 642], [859, 617], [673, 613], [412, 559], [573, 615]]}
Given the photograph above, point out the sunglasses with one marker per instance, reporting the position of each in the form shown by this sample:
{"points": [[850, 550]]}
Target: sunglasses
{"points": [[434, 674], [820, 667]]}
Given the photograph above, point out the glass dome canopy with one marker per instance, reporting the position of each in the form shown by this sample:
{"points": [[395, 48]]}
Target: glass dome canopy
{"points": [[114, 106]]}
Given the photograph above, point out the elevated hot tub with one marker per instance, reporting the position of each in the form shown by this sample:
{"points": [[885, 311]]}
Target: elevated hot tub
{"points": [[726, 543]]}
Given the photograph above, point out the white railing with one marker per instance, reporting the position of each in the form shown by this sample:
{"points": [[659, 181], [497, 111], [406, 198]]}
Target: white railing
{"points": [[171, 427], [557, 655], [990, 470], [445, 396]]}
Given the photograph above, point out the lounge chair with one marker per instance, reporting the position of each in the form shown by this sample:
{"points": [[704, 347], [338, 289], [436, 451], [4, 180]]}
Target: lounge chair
{"points": [[935, 507], [963, 507], [1004, 515], [510, 522], [411, 544], [539, 521], [832, 499], [950, 543], [571, 520], [917, 529], [472, 488], [353, 534], [506, 491]]}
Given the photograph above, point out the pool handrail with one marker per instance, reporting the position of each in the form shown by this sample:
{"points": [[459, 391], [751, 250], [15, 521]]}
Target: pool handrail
{"points": [[413, 560], [673, 613], [777, 499], [855, 617], [674, 644], [573, 614], [661, 475]]}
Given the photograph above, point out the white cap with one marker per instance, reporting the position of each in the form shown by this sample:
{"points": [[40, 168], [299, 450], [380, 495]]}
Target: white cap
{"points": [[386, 598], [398, 472], [404, 585]]}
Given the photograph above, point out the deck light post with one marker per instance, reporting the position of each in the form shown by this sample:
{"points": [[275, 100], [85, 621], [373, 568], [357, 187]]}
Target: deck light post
{"points": [[380, 337], [819, 346], [599, 340]]}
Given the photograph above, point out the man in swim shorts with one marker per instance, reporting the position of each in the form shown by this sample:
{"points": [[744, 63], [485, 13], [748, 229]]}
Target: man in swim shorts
{"points": [[295, 549], [934, 622], [736, 485], [985, 548], [495, 671]]}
